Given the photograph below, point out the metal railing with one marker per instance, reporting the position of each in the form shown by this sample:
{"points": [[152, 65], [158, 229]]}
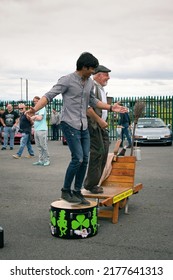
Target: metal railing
{"points": [[158, 106]]}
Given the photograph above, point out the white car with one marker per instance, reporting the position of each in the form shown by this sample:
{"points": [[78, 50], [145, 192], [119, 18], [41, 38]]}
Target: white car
{"points": [[152, 131]]}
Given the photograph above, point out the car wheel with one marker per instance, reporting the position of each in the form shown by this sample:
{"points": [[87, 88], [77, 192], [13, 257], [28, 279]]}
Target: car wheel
{"points": [[169, 144]]}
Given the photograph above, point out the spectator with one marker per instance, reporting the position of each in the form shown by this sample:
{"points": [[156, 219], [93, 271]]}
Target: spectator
{"points": [[1, 126], [40, 135], [55, 124], [25, 125], [1, 112], [9, 120], [125, 122]]}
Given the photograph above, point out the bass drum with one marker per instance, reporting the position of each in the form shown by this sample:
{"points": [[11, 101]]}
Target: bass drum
{"points": [[73, 221]]}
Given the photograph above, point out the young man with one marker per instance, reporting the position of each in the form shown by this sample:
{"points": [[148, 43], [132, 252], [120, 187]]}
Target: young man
{"points": [[9, 119], [25, 125], [40, 135], [77, 92], [99, 138]]}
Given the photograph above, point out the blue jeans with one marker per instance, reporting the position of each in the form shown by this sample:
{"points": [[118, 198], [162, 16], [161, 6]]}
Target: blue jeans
{"points": [[79, 145], [25, 141], [55, 131], [8, 132], [125, 131]]}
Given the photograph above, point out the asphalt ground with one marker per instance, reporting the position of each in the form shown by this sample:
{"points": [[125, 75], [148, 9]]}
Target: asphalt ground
{"points": [[27, 191]]}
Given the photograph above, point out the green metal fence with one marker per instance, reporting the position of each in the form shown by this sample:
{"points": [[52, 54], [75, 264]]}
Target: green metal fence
{"points": [[158, 106]]}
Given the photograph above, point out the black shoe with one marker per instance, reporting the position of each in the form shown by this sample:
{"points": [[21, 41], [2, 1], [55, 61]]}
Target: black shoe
{"points": [[3, 148], [95, 189], [67, 195], [79, 195], [11, 148], [129, 146]]}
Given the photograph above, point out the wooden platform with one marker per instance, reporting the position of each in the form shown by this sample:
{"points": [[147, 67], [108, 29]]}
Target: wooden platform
{"points": [[118, 187]]}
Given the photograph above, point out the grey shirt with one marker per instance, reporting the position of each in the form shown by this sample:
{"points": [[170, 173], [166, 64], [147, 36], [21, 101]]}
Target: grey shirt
{"points": [[77, 96]]}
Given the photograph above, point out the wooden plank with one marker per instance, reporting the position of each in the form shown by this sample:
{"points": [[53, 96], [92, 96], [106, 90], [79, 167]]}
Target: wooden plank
{"points": [[123, 172], [117, 146], [119, 179], [117, 198], [115, 213], [126, 159], [123, 165], [106, 202], [108, 192], [105, 213], [137, 188], [117, 184]]}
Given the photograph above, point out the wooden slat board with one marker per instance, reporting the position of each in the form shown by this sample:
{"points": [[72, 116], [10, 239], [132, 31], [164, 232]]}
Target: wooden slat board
{"points": [[126, 159], [109, 191], [119, 179], [123, 165], [116, 184], [123, 171]]}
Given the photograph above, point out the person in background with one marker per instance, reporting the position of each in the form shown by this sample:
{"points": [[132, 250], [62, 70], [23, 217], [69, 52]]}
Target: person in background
{"points": [[77, 93], [99, 138], [40, 135], [25, 125], [125, 122], [55, 124], [9, 120], [1, 112], [1, 126]]}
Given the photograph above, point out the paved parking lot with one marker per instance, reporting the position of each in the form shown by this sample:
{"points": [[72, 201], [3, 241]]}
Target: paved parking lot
{"points": [[27, 192]]}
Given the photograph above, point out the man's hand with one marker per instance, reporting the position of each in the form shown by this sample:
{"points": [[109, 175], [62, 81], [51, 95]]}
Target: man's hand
{"points": [[118, 108], [29, 118], [30, 112], [120, 126], [103, 124]]}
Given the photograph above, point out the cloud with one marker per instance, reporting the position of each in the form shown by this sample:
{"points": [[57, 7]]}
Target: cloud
{"points": [[41, 40]]}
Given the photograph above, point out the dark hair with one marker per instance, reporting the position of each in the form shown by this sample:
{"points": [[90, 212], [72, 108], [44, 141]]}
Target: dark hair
{"points": [[86, 60], [36, 97]]}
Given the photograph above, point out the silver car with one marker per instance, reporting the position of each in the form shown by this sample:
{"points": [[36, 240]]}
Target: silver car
{"points": [[152, 131]]}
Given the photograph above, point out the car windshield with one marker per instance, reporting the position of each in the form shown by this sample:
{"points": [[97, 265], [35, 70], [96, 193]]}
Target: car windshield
{"points": [[150, 123]]}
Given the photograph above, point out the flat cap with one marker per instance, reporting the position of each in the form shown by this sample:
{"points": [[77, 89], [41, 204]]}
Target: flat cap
{"points": [[102, 69]]}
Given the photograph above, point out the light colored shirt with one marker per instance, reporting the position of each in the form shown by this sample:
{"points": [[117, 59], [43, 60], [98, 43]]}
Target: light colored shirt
{"points": [[104, 99], [55, 118], [76, 98], [41, 125]]}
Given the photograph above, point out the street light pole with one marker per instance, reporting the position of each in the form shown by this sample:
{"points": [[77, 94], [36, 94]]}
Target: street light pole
{"points": [[21, 97], [26, 90]]}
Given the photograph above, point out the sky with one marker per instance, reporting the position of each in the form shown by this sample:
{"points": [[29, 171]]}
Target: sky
{"points": [[41, 40]]}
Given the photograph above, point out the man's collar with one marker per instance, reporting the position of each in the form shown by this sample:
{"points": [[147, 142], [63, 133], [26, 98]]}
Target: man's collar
{"points": [[99, 85]]}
